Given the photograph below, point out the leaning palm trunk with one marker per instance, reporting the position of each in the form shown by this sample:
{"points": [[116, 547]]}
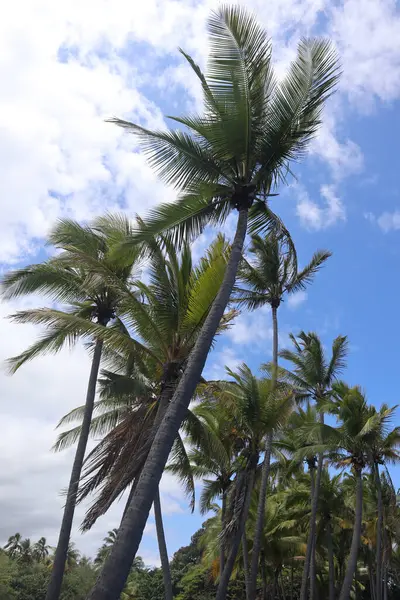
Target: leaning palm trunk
{"points": [[230, 561], [355, 542], [255, 557], [331, 564], [117, 566], [57, 574], [379, 535], [162, 546], [223, 524]]}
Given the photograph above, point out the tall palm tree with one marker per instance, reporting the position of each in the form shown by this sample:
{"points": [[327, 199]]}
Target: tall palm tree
{"points": [[167, 321], [313, 374], [72, 278], [226, 160], [268, 278], [13, 546]]}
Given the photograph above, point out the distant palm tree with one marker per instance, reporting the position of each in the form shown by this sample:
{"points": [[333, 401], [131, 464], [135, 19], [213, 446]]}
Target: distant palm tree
{"points": [[73, 278], [268, 278], [40, 550], [313, 375], [13, 546], [227, 160], [26, 553]]}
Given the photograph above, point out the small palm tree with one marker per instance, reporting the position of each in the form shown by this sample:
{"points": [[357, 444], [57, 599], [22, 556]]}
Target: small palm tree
{"points": [[40, 550], [13, 546], [227, 160], [313, 375], [272, 275], [26, 552], [84, 277]]}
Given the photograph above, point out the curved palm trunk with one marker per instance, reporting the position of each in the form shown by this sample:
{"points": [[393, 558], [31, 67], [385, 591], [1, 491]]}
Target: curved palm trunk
{"points": [[331, 564], [379, 530], [355, 542], [230, 561], [162, 546], [114, 574], [255, 557], [57, 574]]}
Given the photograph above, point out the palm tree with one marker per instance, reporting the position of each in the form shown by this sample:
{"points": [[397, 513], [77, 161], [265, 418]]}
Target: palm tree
{"points": [[271, 276], [228, 159], [167, 321], [40, 550], [26, 552], [13, 546], [72, 278], [313, 375], [108, 542]]}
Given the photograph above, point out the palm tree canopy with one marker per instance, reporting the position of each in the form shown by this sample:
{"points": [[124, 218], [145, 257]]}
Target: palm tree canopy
{"points": [[252, 126]]}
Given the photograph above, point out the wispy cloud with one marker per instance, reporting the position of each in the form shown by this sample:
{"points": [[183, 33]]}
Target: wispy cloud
{"points": [[316, 216], [297, 299]]}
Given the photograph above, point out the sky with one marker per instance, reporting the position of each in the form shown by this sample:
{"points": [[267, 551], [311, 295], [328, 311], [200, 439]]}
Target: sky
{"points": [[65, 67]]}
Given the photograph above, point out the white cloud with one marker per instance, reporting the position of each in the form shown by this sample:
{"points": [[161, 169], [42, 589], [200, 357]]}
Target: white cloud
{"points": [[389, 221], [297, 299], [316, 217]]}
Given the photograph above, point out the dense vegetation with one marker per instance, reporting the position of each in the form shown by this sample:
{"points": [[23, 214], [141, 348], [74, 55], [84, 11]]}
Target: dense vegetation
{"points": [[293, 461]]}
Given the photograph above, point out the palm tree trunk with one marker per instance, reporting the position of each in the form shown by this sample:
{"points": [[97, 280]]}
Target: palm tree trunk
{"points": [[57, 574], [355, 542], [331, 564], [275, 586], [246, 565], [379, 530], [230, 561], [313, 573], [255, 556], [310, 539], [264, 578], [223, 525], [162, 546], [116, 569], [291, 579]]}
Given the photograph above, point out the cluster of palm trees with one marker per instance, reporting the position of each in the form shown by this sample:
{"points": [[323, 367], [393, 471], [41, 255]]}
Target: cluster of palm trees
{"points": [[22, 549], [150, 315]]}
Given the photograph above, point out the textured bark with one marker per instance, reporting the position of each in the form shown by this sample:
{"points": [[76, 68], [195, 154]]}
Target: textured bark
{"points": [[162, 546], [113, 576], [246, 564], [331, 564], [379, 529], [355, 542], [255, 556], [60, 557], [230, 561]]}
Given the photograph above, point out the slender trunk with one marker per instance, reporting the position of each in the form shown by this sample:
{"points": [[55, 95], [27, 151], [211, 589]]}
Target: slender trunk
{"points": [[379, 530], [282, 587], [223, 525], [116, 569], [310, 539], [60, 557], [230, 561], [330, 561], [162, 546], [264, 578], [275, 585], [291, 579], [385, 583], [255, 556], [313, 572], [355, 542], [246, 565], [371, 578]]}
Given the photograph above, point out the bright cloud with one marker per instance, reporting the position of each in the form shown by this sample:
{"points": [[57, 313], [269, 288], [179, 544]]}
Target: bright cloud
{"points": [[389, 221], [314, 216], [297, 299]]}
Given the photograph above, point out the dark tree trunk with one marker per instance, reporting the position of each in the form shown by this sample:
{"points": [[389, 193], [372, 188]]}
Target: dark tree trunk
{"points": [[230, 561], [60, 557], [275, 585], [246, 565], [264, 578], [291, 579], [331, 564], [355, 542], [223, 525], [113, 576], [379, 530], [255, 556], [162, 546], [310, 539]]}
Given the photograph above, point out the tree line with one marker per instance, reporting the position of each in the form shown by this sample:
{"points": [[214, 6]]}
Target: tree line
{"points": [[293, 461]]}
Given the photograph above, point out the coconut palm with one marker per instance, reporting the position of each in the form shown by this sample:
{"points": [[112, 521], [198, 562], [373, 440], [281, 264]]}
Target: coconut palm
{"points": [[13, 546], [40, 550], [313, 375], [72, 278], [26, 552], [268, 278], [227, 160]]}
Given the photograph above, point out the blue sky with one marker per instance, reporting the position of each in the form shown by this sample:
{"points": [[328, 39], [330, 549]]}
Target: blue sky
{"points": [[66, 67]]}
